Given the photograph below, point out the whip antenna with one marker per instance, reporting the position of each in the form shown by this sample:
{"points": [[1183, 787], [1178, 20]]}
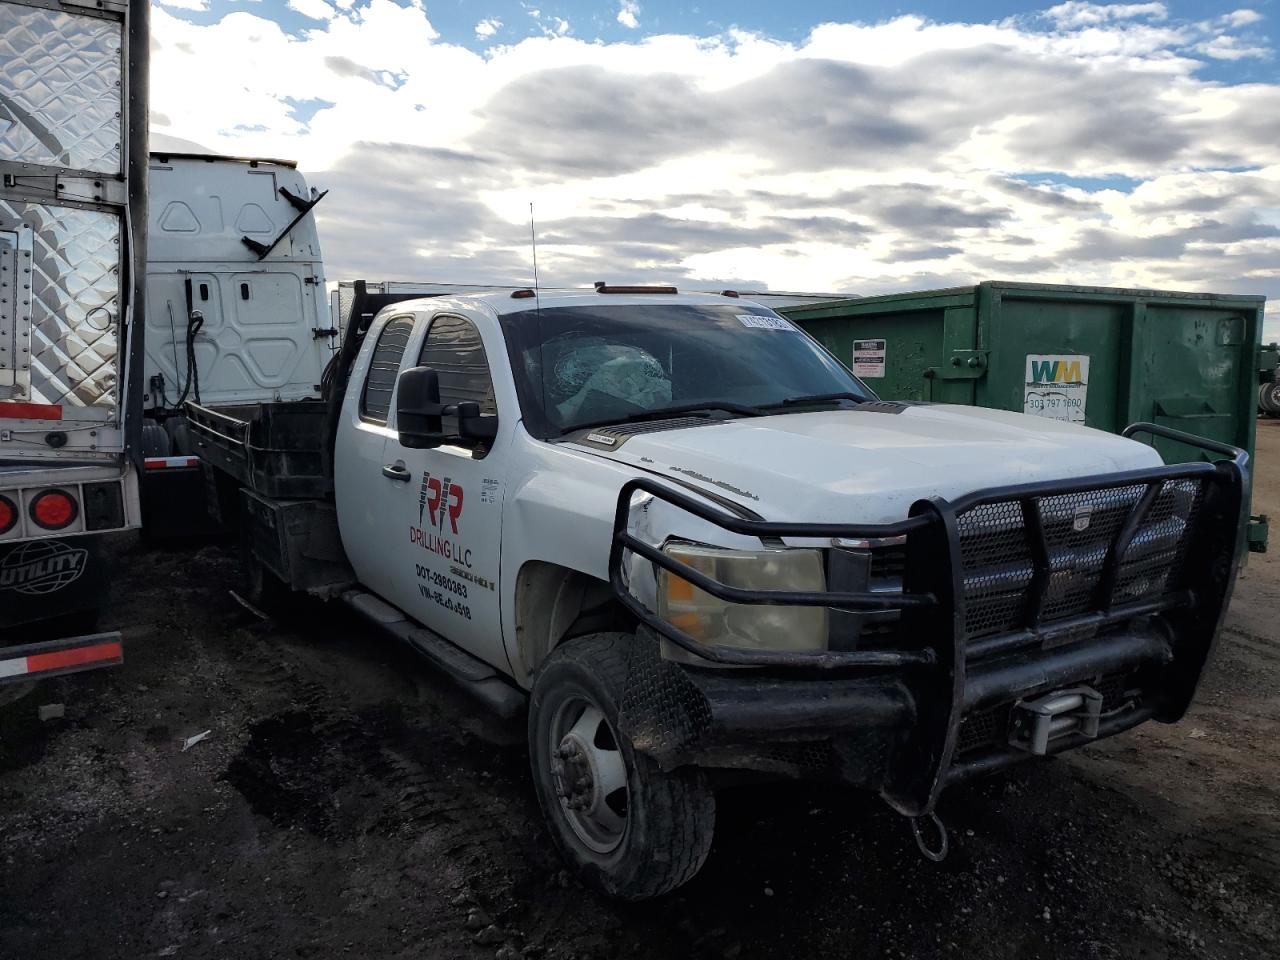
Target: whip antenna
{"points": [[533, 239]]}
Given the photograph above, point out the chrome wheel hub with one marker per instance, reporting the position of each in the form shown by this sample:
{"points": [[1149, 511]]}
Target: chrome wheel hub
{"points": [[590, 774]]}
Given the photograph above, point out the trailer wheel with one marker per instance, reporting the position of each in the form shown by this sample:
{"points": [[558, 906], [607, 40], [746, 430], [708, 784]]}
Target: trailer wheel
{"points": [[628, 828], [155, 441], [1270, 397], [179, 436]]}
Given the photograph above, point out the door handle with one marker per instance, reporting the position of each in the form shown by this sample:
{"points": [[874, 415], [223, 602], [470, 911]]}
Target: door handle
{"points": [[397, 471]]}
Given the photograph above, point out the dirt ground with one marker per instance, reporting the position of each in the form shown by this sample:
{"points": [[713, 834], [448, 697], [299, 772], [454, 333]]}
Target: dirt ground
{"points": [[349, 801]]}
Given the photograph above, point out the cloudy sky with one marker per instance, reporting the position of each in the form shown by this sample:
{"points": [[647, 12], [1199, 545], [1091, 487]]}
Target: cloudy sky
{"points": [[809, 145]]}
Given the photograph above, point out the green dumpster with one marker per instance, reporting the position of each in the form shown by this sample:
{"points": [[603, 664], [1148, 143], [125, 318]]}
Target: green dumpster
{"points": [[1095, 355]]}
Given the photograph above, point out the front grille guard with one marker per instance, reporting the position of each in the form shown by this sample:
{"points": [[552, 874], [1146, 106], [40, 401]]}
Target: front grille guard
{"points": [[932, 603]]}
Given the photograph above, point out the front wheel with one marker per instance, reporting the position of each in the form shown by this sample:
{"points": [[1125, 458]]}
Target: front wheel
{"points": [[626, 826]]}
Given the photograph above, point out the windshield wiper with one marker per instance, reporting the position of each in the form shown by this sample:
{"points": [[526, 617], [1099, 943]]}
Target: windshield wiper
{"points": [[818, 398], [741, 409]]}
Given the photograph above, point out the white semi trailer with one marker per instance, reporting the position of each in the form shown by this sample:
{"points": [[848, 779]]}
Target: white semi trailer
{"points": [[73, 219]]}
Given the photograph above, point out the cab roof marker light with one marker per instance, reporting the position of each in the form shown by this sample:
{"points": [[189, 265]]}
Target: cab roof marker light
{"points": [[525, 294], [602, 287], [729, 293]]}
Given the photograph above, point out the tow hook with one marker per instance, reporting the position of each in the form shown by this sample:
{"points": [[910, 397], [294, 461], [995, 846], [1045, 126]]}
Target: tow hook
{"points": [[936, 854]]}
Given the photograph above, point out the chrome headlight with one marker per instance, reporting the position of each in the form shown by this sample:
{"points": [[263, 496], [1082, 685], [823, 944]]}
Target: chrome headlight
{"points": [[716, 622]]}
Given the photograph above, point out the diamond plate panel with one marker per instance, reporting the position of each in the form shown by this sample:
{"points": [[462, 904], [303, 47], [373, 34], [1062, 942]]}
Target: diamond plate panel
{"points": [[60, 89], [74, 299], [346, 296]]}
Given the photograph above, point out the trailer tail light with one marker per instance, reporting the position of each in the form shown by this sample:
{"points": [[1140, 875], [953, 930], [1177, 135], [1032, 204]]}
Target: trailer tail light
{"points": [[8, 514], [54, 509]]}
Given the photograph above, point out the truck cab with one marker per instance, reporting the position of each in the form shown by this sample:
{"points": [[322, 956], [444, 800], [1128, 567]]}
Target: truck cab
{"points": [[695, 542], [236, 316]]}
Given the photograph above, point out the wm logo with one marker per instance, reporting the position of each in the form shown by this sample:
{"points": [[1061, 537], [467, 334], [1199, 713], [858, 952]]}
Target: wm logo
{"points": [[1056, 371]]}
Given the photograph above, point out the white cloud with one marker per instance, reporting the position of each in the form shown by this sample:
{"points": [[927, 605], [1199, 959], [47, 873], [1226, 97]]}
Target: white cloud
{"points": [[629, 14], [551, 26], [1231, 48], [1076, 13], [487, 27], [185, 4], [315, 9], [866, 157], [1242, 18]]}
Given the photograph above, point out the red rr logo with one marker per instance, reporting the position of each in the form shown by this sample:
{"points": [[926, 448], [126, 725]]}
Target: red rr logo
{"points": [[435, 492]]}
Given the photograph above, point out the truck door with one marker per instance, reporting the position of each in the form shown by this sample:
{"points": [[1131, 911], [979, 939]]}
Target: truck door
{"points": [[370, 530], [449, 505]]}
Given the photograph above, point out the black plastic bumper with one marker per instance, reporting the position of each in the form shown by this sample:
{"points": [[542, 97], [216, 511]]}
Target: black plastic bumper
{"points": [[1116, 582]]}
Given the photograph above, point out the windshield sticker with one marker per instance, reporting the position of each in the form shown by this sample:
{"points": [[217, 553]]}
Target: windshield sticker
{"points": [[604, 438], [868, 358], [765, 323], [1056, 387]]}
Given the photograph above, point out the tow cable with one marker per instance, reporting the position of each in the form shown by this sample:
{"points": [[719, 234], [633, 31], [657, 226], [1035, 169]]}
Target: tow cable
{"points": [[936, 855]]}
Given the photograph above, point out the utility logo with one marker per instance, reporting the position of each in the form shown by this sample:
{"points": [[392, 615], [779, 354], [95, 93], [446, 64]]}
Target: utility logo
{"points": [[1055, 370], [439, 497], [42, 566]]}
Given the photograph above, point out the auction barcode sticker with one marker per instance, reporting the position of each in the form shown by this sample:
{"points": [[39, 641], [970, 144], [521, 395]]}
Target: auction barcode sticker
{"points": [[764, 323], [869, 357]]}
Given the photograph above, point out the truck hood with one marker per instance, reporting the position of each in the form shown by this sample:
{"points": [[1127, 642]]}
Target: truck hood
{"points": [[867, 466]]}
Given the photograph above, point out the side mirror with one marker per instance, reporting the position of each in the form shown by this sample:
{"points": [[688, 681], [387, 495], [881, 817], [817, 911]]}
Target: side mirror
{"points": [[472, 426], [418, 408]]}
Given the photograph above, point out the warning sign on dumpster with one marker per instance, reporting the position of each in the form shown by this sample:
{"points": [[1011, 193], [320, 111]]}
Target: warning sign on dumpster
{"points": [[1057, 386], [868, 358]]}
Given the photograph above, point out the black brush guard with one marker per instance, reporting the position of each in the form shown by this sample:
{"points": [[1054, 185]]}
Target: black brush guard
{"points": [[1003, 595]]}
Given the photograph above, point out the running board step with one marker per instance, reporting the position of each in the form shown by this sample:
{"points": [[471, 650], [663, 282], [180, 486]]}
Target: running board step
{"points": [[472, 674]]}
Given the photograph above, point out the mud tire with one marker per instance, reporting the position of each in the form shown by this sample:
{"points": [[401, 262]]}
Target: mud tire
{"points": [[671, 815]]}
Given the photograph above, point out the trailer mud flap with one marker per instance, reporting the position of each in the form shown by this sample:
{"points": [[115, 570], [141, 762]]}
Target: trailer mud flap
{"points": [[40, 578]]}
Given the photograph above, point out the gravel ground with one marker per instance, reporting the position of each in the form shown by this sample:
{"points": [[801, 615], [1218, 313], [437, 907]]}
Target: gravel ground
{"points": [[349, 801]]}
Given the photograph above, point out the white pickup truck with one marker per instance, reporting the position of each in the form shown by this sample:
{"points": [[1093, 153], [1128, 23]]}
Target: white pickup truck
{"points": [[691, 541]]}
